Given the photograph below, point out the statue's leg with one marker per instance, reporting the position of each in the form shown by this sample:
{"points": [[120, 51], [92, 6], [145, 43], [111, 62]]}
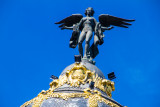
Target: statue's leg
{"points": [[80, 41], [88, 38]]}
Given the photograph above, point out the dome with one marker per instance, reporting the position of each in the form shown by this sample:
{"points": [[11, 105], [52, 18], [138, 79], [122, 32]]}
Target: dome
{"points": [[79, 85]]}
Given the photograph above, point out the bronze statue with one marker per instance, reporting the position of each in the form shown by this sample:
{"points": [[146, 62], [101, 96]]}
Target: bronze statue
{"points": [[87, 25]]}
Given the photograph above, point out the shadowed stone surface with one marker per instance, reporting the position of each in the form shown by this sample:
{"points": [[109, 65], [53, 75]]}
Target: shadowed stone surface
{"points": [[102, 104], [71, 102]]}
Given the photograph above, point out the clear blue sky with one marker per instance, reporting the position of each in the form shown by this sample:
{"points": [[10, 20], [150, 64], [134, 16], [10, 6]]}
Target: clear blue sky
{"points": [[32, 48]]}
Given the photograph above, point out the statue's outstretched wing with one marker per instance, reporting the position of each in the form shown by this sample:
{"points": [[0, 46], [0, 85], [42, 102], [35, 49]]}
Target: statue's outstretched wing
{"points": [[69, 21], [107, 20]]}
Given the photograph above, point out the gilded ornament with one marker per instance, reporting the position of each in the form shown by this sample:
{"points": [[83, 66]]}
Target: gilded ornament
{"points": [[74, 77], [78, 75]]}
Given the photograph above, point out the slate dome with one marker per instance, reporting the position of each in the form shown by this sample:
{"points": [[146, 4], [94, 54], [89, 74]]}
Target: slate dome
{"points": [[79, 85]]}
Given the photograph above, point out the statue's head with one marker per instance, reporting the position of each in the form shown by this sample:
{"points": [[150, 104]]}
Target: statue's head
{"points": [[89, 11]]}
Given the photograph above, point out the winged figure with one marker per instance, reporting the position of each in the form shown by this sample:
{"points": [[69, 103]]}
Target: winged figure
{"points": [[84, 28]]}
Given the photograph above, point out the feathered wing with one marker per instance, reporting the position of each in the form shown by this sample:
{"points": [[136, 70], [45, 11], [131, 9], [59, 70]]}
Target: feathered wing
{"points": [[69, 21], [107, 20]]}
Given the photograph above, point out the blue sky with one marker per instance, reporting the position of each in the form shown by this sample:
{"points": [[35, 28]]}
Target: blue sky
{"points": [[32, 48]]}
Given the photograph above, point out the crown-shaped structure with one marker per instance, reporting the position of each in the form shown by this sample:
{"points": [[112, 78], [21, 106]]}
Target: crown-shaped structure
{"points": [[81, 84]]}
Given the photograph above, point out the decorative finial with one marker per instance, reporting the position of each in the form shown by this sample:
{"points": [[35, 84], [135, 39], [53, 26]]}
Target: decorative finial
{"points": [[77, 58]]}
